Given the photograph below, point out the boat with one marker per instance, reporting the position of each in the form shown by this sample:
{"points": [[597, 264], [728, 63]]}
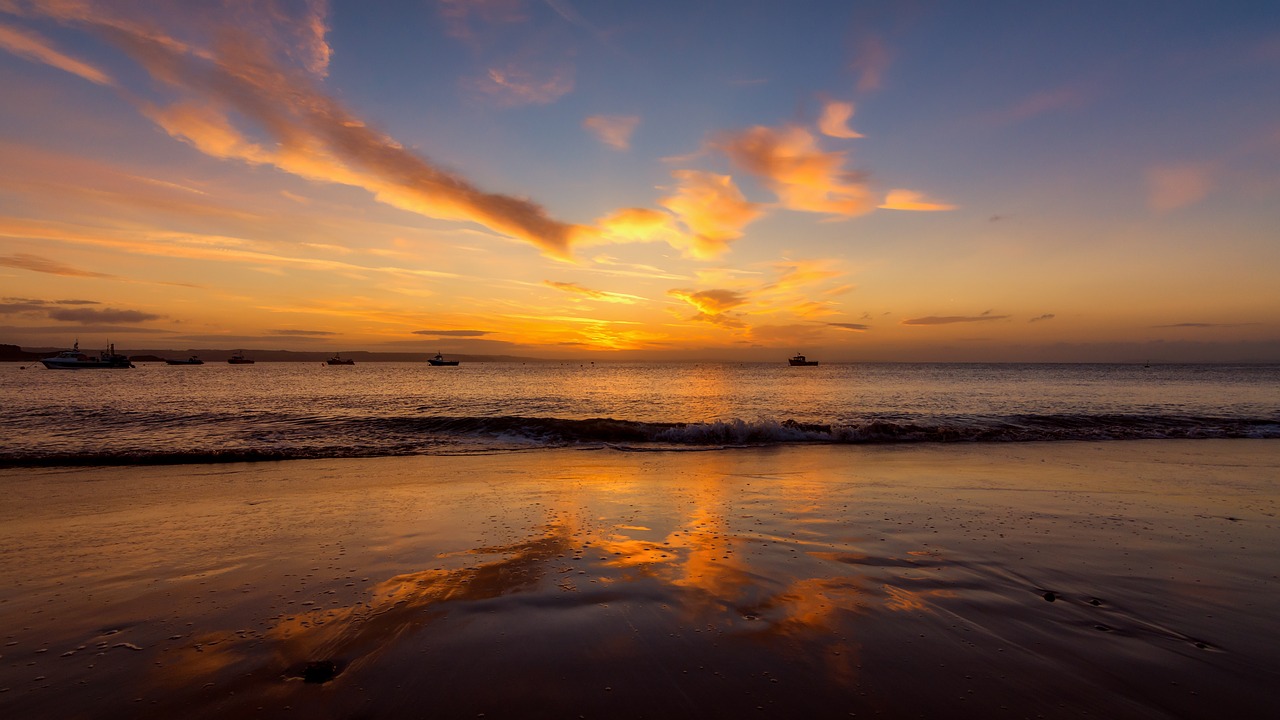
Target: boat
{"points": [[439, 360], [193, 360], [799, 360], [73, 359], [238, 358], [338, 360]]}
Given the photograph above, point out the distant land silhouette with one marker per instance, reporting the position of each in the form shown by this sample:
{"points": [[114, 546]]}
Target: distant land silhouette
{"points": [[14, 353]]}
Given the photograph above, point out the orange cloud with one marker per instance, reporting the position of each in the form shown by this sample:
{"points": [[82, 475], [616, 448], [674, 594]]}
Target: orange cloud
{"points": [[900, 199], [712, 208], [635, 225], [835, 120], [1177, 186], [32, 46], [613, 130], [803, 176], [711, 302], [316, 138]]}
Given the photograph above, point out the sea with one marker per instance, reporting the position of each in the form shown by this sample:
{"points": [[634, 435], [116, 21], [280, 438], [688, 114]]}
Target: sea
{"points": [[160, 414]]}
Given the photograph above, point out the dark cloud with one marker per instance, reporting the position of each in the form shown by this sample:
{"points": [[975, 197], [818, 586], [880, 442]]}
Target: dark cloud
{"points": [[952, 319], [35, 263], [1046, 316], [721, 319], [857, 327], [18, 305], [108, 315], [1203, 325], [453, 333]]}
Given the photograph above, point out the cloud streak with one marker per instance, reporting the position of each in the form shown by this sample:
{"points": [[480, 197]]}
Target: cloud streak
{"points": [[453, 333], [36, 263], [952, 319], [601, 295], [33, 46]]}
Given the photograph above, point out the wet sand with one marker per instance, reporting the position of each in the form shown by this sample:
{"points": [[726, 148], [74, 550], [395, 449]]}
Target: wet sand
{"points": [[1118, 580]]}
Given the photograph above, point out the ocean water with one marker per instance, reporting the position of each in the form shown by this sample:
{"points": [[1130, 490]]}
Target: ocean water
{"points": [[157, 413]]}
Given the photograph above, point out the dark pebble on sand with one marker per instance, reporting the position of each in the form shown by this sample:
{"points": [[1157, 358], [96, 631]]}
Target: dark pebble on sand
{"points": [[1050, 596], [319, 671]]}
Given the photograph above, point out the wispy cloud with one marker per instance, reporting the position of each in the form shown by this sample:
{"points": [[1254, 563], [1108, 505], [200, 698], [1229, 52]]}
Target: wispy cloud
{"points": [[36, 263], [470, 19], [453, 333], [302, 333], [601, 295], [911, 200], [870, 62], [952, 319], [1042, 318], [520, 84], [613, 130], [1040, 103], [1175, 186], [834, 121], [33, 46], [235, 91], [856, 327]]}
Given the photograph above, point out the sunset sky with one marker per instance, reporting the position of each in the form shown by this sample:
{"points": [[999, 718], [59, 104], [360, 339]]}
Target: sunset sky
{"points": [[732, 180]]}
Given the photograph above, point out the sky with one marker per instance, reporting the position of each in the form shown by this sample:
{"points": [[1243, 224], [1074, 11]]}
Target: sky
{"points": [[738, 180]]}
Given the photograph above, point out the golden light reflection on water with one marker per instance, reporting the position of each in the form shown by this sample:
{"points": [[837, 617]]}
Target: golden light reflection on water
{"points": [[703, 555]]}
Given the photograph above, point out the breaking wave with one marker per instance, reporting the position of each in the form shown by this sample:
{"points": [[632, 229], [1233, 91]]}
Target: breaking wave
{"points": [[312, 438]]}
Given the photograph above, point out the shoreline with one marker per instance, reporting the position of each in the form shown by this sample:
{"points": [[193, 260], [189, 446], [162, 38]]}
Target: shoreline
{"points": [[781, 581]]}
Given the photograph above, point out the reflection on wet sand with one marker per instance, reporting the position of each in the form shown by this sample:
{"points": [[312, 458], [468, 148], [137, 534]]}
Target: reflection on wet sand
{"points": [[695, 581], [709, 585]]}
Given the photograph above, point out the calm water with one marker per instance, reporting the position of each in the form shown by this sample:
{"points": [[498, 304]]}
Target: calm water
{"points": [[159, 413]]}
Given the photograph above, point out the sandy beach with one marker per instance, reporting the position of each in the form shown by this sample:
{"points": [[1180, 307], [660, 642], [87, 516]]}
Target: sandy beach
{"points": [[1120, 580]]}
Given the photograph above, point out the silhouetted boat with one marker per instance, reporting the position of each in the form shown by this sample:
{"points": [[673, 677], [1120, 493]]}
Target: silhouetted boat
{"points": [[193, 360], [238, 358], [73, 359], [337, 360], [439, 360], [799, 360]]}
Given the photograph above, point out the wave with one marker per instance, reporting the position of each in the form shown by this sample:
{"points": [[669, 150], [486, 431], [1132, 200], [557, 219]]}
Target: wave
{"points": [[309, 438]]}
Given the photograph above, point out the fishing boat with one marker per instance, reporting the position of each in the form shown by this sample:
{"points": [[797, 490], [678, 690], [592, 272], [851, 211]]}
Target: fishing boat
{"points": [[73, 359], [193, 360], [439, 360], [238, 358], [799, 360], [337, 359]]}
